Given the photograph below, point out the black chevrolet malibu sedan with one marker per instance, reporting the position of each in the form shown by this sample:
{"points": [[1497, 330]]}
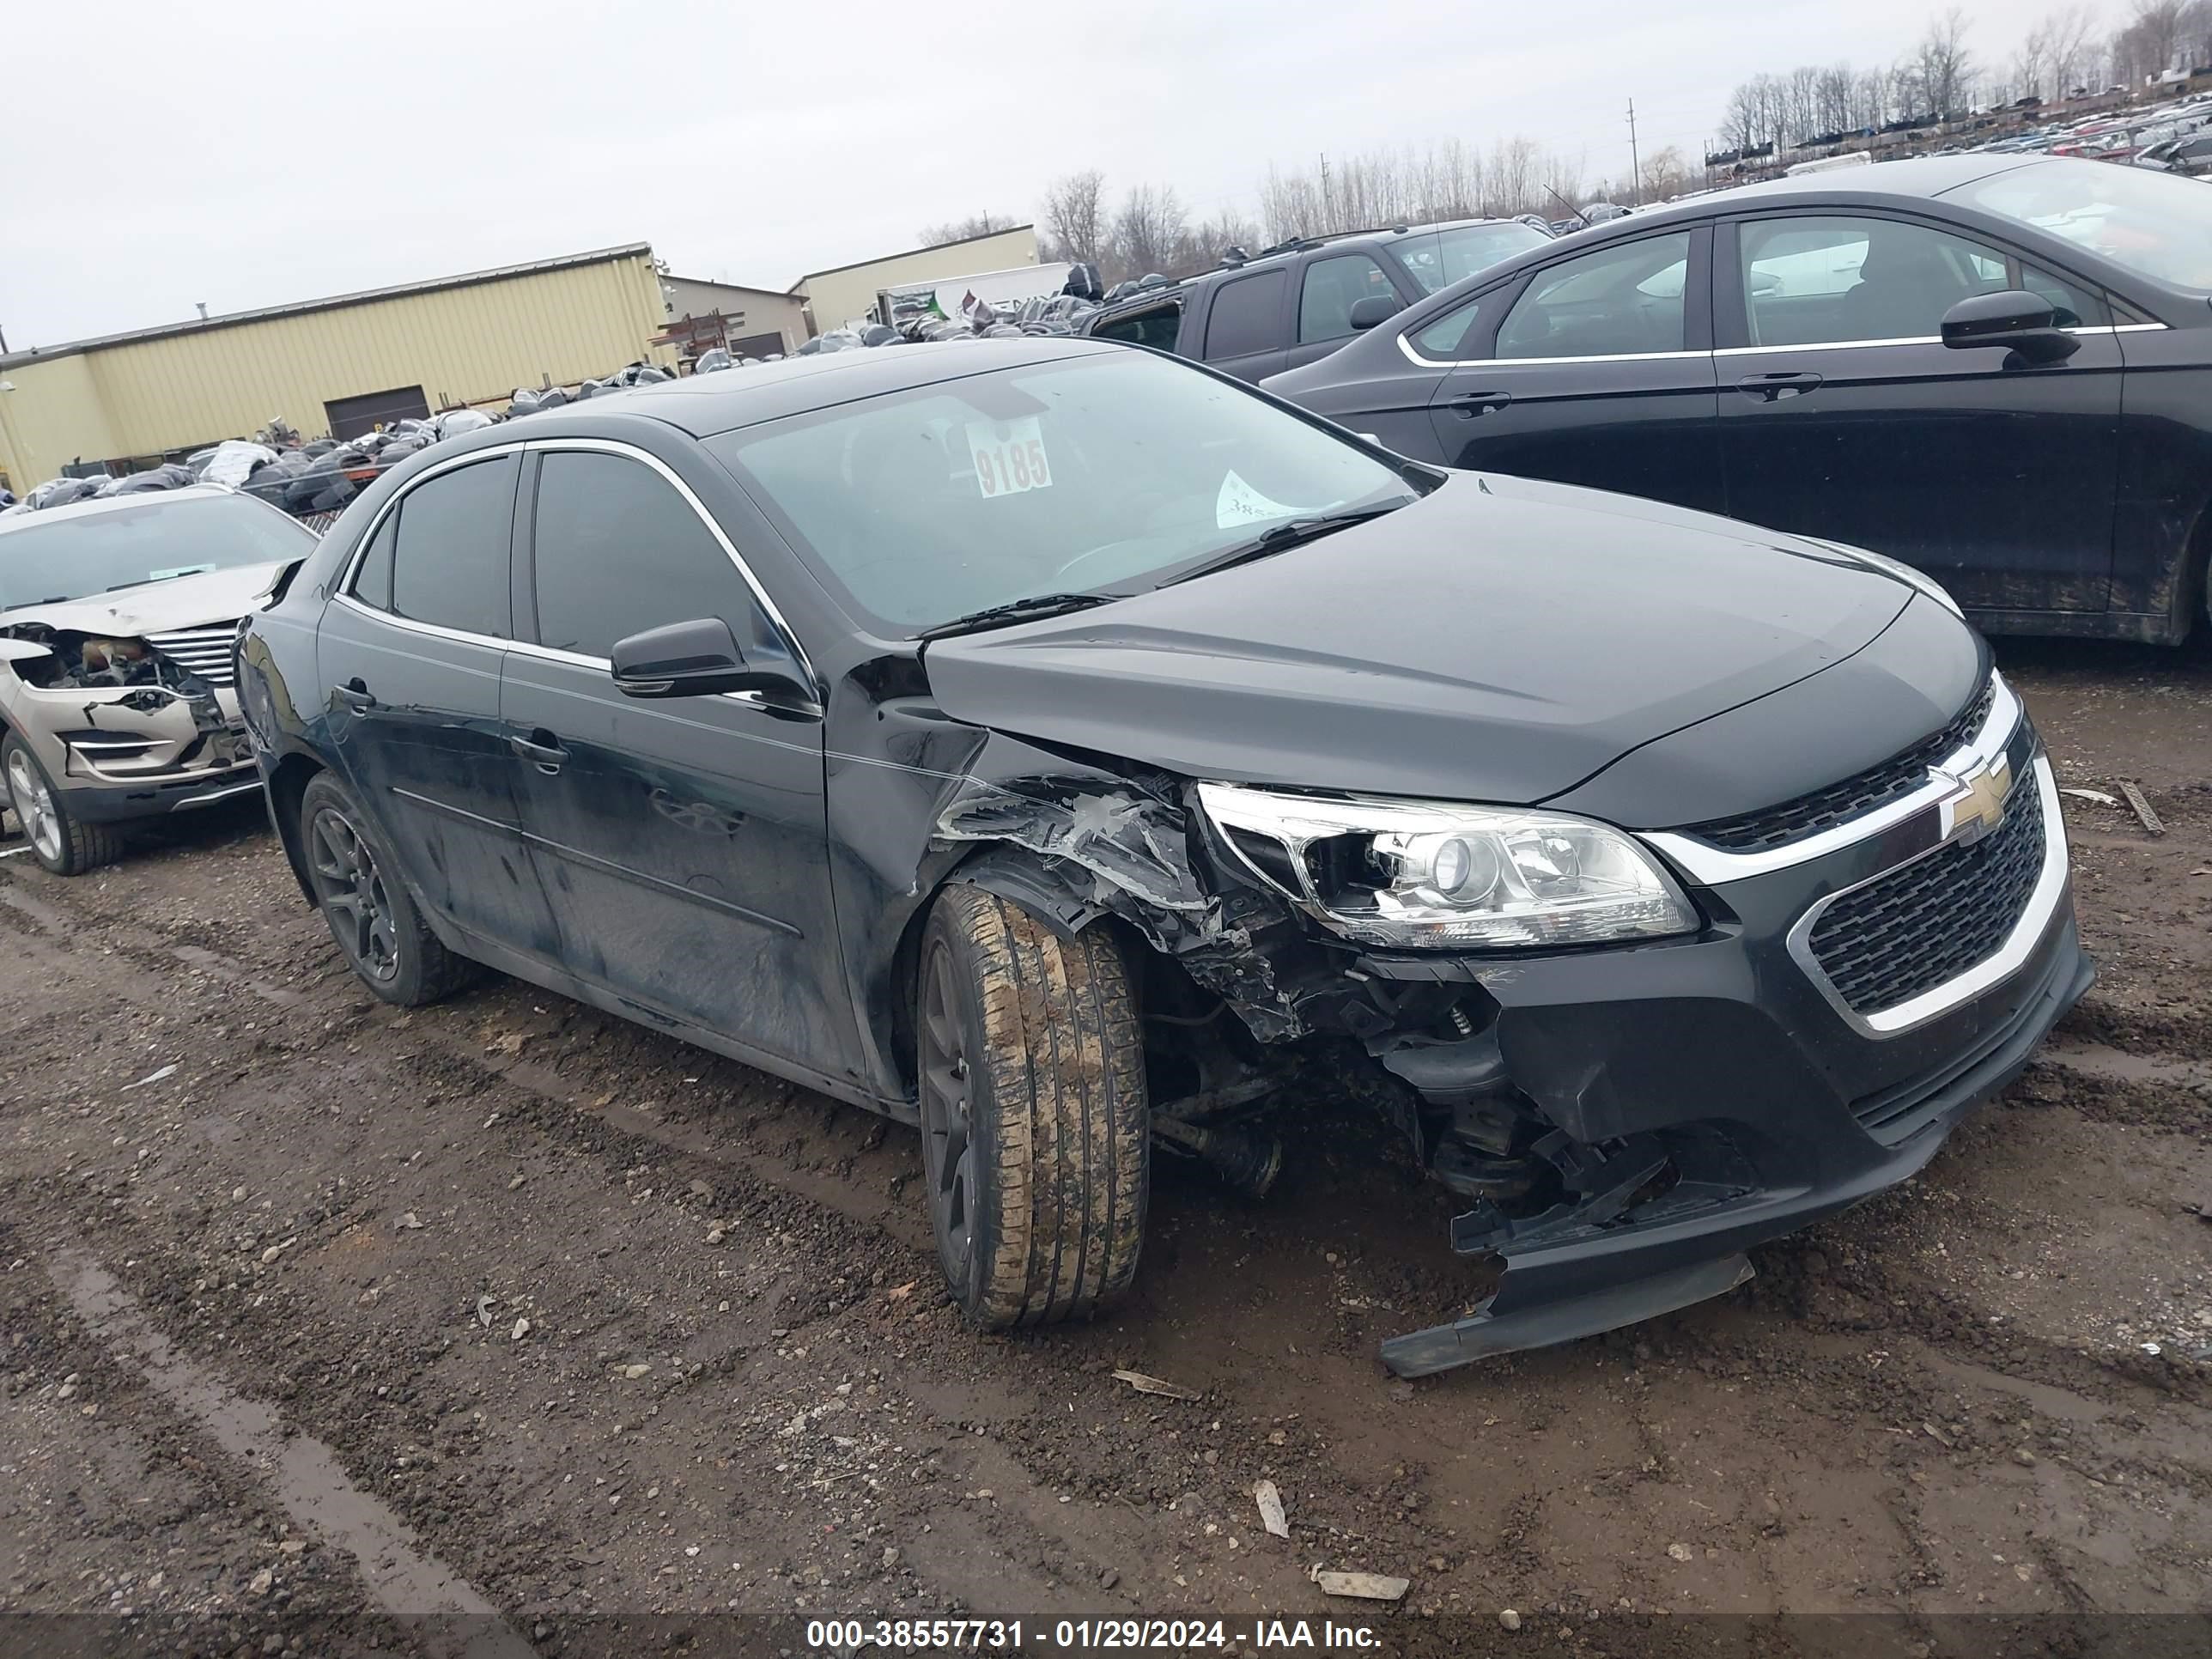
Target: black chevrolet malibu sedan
{"points": [[1058, 747], [1996, 369]]}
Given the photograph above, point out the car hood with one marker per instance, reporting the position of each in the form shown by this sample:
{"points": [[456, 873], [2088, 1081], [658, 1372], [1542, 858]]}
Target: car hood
{"points": [[1500, 640], [214, 596]]}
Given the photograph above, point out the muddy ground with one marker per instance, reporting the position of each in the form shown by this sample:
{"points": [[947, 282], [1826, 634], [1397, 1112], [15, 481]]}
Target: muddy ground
{"points": [[315, 1316]]}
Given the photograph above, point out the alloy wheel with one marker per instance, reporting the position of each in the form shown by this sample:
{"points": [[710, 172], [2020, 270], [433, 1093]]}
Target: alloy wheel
{"points": [[948, 1107], [353, 895], [35, 810]]}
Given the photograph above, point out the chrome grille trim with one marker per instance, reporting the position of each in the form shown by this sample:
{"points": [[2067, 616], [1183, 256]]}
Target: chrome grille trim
{"points": [[205, 650]]}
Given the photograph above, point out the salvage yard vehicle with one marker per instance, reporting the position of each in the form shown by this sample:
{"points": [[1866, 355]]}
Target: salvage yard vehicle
{"points": [[1063, 748], [1995, 367], [117, 617], [1296, 303]]}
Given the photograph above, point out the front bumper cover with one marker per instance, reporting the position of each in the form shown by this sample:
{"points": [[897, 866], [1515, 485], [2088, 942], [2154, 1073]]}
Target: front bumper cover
{"points": [[1712, 1095]]}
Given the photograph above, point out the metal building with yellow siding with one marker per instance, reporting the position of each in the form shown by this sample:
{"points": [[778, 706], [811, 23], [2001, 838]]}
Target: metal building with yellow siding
{"points": [[337, 365]]}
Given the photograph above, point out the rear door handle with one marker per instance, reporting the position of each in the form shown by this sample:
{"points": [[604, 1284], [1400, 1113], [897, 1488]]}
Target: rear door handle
{"points": [[1472, 404], [354, 694], [1772, 388], [542, 749]]}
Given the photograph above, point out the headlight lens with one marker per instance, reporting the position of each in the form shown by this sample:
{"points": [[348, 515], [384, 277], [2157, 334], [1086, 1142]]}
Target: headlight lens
{"points": [[1435, 875]]}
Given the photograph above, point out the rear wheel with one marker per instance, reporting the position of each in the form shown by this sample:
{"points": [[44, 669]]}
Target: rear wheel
{"points": [[63, 842], [371, 915], [1036, 1129]]}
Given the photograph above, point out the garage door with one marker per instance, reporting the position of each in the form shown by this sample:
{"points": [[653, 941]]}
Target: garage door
{"points": [[351, 417]]}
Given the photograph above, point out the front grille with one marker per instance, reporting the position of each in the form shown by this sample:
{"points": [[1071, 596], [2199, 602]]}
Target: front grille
{"points": [[201, 651], [1841, 802], [1927, 922]]}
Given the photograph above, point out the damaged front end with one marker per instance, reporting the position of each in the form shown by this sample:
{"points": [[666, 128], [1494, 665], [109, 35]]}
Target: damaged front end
{"points": [[1623, 1115], [122, 719]]}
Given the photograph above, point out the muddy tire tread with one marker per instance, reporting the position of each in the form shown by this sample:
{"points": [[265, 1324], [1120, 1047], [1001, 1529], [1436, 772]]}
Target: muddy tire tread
{"points": [[439, 973], [1063, 1053]]}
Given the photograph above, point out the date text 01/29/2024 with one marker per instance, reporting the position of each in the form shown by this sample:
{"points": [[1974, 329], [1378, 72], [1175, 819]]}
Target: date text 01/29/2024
{"points": [[1080, 1634]]}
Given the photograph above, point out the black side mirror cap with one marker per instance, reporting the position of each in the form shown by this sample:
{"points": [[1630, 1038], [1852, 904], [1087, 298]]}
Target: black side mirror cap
{"points": [[1375, 308], [700, 659], [2024, 324]]}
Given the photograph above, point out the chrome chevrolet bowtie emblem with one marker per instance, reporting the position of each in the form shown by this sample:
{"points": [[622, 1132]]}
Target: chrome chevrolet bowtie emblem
{"points": [[1976, 804]]}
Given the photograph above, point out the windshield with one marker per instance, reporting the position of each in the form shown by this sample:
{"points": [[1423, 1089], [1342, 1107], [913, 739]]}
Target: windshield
{"points": [[1105, 473], [77, 556], [1438, 258], [2148, 221]]}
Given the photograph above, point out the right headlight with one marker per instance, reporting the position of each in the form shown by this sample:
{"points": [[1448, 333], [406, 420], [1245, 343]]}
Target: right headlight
{"points": [[1437, 875]]}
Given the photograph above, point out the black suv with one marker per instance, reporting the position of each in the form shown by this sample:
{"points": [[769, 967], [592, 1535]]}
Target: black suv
{"points": [[1300, 300]]}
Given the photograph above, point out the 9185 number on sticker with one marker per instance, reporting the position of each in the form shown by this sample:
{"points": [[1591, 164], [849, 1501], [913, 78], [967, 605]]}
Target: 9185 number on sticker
{"points": [[1008, 456]]}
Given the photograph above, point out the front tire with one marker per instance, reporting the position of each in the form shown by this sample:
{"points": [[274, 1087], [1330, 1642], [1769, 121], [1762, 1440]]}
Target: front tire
{"points": [[371, 914], [1036, 1134], [61, 841]]}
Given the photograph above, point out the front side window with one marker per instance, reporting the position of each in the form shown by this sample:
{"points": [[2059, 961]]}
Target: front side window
{"points": [[618, 551], [1112, 472], [1331, 287], [1619, 301], [1832, 280], [449, 556], [81, 555], [2154, 223], [1246, 317]]}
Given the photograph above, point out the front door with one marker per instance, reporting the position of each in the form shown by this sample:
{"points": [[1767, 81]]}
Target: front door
{"points": [[1844, 414], [683, 840], [410, 654], [1601, 373], [1328, 287]]}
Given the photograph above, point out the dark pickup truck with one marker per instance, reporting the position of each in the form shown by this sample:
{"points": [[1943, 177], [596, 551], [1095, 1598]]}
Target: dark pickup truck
{"points": [[1300, 300]]}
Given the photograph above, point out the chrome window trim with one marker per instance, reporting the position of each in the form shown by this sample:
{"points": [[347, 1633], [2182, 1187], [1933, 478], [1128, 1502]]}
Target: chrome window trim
{"points": [[606, 665], [344, 593], [1708, 865], [2007, 960], [1406, 345]]}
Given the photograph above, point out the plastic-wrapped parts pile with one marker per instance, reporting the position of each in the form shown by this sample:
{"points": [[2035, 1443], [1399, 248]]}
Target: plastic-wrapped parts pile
{"points": [[530, 400], [1045, 314]]}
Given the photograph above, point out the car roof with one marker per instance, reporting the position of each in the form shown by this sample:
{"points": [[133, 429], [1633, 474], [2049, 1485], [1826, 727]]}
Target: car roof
{"points": [[1921, 178], [109, 504], [703, 405]]}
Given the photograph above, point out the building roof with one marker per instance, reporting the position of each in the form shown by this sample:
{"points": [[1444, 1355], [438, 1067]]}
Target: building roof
{"points": [[735, 288], [398, 290], [909, 253]]}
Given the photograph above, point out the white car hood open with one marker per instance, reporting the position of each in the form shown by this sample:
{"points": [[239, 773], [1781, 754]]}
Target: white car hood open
{"points": [[214, 596]]}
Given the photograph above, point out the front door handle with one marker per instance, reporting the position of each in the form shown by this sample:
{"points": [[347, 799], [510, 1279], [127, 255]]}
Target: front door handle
{"points": [[1472, 404], [354, 694], [1772, 388], [542, 749]]}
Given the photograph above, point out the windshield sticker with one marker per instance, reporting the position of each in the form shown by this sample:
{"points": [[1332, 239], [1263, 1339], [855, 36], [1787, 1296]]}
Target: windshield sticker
{"points": [[1238, 503], [1010, 458], [178, 570]]}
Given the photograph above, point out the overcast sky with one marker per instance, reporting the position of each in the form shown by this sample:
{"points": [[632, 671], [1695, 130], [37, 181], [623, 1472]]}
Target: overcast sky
{"points": [[160, 156]]}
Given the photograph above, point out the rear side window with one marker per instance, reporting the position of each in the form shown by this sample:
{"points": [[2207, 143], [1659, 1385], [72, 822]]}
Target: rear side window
{"points": [[449, 560], [1246, 317], [1456, 334], [373, 584], [1332, 288], [1616, 301], [1158, 328], [618, 552]]}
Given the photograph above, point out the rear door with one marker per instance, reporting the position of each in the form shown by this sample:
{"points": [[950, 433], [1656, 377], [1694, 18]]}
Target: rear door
{"points": [[1596, 370], [1844, 414], [1246, 330], [682, 838], [410, 653]]}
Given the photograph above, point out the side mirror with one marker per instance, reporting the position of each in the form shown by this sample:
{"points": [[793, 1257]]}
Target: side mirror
{"points": [[702, 659], [2024, 324], [1375, 308]]}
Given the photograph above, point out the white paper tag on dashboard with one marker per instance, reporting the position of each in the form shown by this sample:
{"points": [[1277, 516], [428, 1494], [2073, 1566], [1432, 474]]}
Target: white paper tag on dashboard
{"points": [[1239, 503], [1008, 456]]}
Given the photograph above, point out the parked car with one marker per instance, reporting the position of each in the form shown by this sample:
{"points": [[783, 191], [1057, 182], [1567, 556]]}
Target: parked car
{"points": [[1998, 370], [1296, 303], [2191, 157], [117, 617], [1064, 748]]}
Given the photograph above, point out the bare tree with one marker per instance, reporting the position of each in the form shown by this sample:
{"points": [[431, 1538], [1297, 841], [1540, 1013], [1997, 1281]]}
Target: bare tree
{"points": [[1075, 217], [959, 230], [2068, 35], [1944, 66], [1148, 228]]}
